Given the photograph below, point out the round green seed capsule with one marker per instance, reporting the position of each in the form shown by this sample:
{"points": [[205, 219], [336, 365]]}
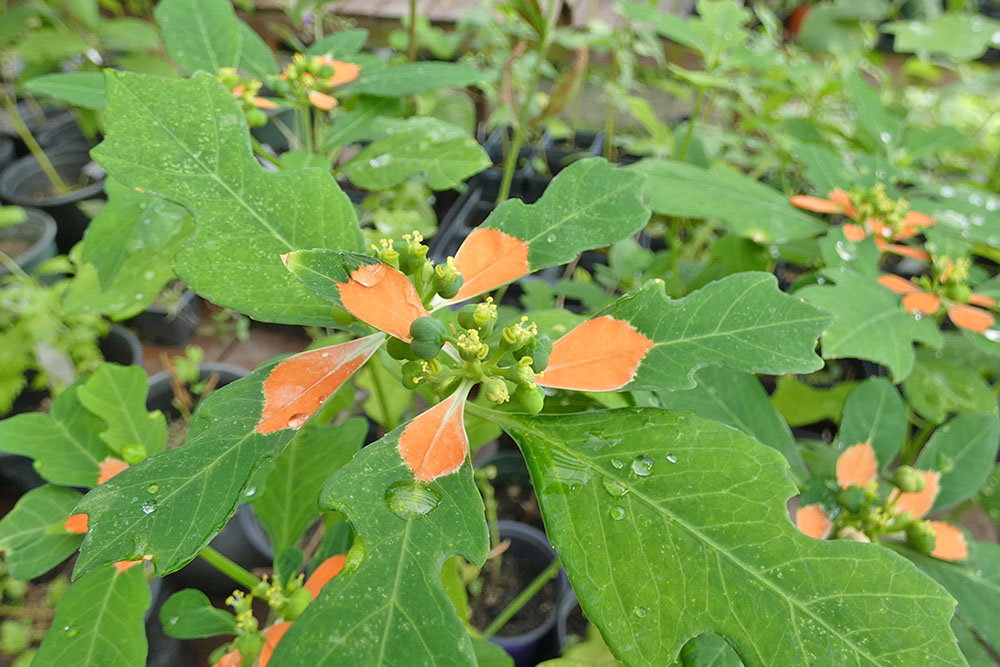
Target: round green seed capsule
{"points": [[399, 349], [427, 329], [529, 399], [921, 536], [425, 349], [908, 480]]}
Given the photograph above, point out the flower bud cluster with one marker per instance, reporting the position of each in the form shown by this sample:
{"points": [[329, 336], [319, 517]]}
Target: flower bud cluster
{"points": [[245, 90], [866, 516], [409, 255], [878, 205], [308, 79]]}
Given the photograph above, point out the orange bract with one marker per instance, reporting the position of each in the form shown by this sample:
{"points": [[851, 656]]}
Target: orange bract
{"points": [[322, 100], [920, 503], [343, 73], [435, 443], [327, 570], [489, 258], [813, 521], [897, 284], [602, 354], [854, 232], [297, 386], [123, 565], [856, 466], [264, 103], [76, 524], [109, 468], [383, 297], [231, 659], [815, 204], [917, 219], [272, 636], [949, 542], [905, 251], [922, 302], [982, 300], [971, 318]]}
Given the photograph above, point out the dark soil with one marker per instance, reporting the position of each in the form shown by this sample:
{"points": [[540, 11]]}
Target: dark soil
{"points": [[177, 432], [15, 246], [515, 575], [51, 190], [576, 625], [517, 502]]}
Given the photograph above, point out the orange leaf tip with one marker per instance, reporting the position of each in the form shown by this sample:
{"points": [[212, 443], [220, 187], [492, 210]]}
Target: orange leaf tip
{"points": [[813, 521], [971, 318], [231, 659], [907, 251], [326, 571], [842, 198], [434, 444], [297, 386], [343, 73], [383, 297], [921, 302], [272, 635], [264, 103], [897, 284], [322, 100], [982, 300], [76, 524], [602, 354], [124, 565], [815, 204], [853, 232], [918, 503], [856, 466], [949, 543], [489, 258], [109, 468], [918, 219]]}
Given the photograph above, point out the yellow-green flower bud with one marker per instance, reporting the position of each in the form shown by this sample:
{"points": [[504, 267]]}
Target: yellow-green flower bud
{"points": [[296, 604], [529, 399], [495, 390], [470, 347], [387, 252], [908, 480], [249, 646], [921, 536], [413, 374], [516, 335], [447, 279]]}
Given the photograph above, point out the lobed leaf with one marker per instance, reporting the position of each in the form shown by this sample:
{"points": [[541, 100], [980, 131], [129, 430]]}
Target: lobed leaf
{"points": [[412, 78], [935, 390], [189, 614], [200, 34]]}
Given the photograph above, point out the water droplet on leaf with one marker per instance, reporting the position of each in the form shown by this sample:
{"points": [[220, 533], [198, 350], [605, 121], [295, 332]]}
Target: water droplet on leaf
{"points": [[411, 500], [617, 463], [153, 488], [672, 458], [618, 513], [148, 507], [297, 420], [642, 466], [640, 612], [614, 487]]}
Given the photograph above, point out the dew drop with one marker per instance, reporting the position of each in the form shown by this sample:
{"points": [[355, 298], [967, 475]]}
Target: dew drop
{"points": [[614, 487], [174, 619], [617, 513], [642, 466], [380, 161], [672, 458], [845, 252], [251, 491], [885, 137], [153, 488], [324, 355], [297, 420], [148, 275], [617, 463], [148, 507], [411, 500], [551, 238], [640, 612], [71, 631]]}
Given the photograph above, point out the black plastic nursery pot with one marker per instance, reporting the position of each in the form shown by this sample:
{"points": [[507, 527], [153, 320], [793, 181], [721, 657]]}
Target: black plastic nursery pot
{"points": [[243, 539], [560, 153], [170, 326], [7, 153], [24, 183], [35, 118], [62, 131], [512, 488], [530, 549], [31, 242], [571, 623]]}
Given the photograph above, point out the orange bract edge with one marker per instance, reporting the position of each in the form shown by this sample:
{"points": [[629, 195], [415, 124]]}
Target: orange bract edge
{"points": [[918, 503], [813, 521], [815, 204], [383, 297], [231, 659], [922, 302], [856, 466], [853, 232], [322, 100], [434, 443], [343, 72], [109, 468], [124, 565], [897, 284], [326, 571], [489, 258], [272, 635], [602, 354], [949, 543], [78, 523], [974, 319], [297, 386]]}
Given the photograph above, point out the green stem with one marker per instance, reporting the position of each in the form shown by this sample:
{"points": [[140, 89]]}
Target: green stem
{"points": [[260, 151], [522, 120], [412, 52], [229, 568], [994, 181], [12, 266], [380, 397], [695, 113], [305, 115], [485, 484], [912, 448], [29, 140], [522, 599]]}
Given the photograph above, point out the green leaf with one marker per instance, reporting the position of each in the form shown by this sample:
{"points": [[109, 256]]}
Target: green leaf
{"points": [[718, 29], [187, 141], [882, 127], [969, 212], [359, 123], [959, 36], [739, 400], [339, 45], [29, 549], [870, 323], [964, 450], [975, 584], [189, 614], [117, 394], [801, 404], [81, 89], [290, 500], [824, 169], [255, 58], [744, 206], [935, 390], [875, 413], [99, 622], [411, 78], [970, 645], [200, 34], [388, 400], [489, 654], [421, 146], [670, 525], [388, 605], [66, 444], [130, 35]]}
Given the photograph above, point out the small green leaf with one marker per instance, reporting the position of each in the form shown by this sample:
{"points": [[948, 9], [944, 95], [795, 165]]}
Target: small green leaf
{"points": [[99, 622], [290, 500], [66, 444], [30, 550], [189, 614], [870, 323], [964, 450], [709, 650], [670, 525], [489, 654], [746, 207], [961, 37], [117, 394], [255, 58], [187, 141], [738, 399], [802, 404], [875, 413], [388, 605], [359, 123], [935, 390], [339, 45], [82, 89], [411, 78], [880, 127], [200, 34]]}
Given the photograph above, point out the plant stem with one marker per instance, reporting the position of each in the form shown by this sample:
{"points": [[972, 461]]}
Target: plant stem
{"points": [[485, 484], [522, 599], [29, 140], [911, 448], [698, 104], [260, 151], [229, 568], [412, 52], [12, 266], [993, 183], [522, 120], [305, 115]]}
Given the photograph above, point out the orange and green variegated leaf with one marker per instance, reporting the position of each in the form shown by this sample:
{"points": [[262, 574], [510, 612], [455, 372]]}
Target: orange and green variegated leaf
{"points": [[169, 506], [369, 289], [949, 542], [34, 537], [813, 521], [588, 205], [646, 340], [856, 466], [388, 607], [435, 442]]}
